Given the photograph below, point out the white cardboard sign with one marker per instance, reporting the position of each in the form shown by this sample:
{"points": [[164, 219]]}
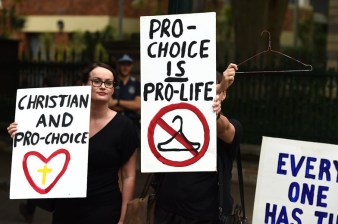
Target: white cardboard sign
{"points": [[178, 75], [50, 148], [297, 182]]}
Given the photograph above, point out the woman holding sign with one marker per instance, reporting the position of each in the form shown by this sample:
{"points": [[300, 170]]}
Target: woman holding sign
{"points": [[112, 143], [192, 197]]}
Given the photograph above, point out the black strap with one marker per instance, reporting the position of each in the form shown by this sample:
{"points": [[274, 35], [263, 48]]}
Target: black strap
{"points": [[240, 178], [240, 181], [220, 186], [147, 185], [153, 180]]}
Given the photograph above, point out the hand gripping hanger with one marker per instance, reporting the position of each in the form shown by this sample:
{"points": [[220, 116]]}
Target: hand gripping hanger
{"points": [[308, 67]]}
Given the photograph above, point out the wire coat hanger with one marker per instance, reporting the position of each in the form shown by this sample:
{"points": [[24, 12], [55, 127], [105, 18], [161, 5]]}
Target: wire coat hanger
{"points": [[309, 67]]}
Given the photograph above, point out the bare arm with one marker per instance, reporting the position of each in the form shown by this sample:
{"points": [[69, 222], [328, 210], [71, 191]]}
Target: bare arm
{"points": [[225, 130], [128, 175]]}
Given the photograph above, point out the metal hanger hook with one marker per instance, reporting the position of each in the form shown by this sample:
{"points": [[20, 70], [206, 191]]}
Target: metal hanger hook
{"points": [[265, 31]]}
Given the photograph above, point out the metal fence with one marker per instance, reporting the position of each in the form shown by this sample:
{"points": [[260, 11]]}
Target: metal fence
{"points": [[288, 105], [301, 106], [33, 74]]}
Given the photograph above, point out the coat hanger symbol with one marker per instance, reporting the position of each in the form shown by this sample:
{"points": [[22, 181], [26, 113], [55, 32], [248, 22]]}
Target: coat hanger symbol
{"points": [[306, 68], [165, 146]]}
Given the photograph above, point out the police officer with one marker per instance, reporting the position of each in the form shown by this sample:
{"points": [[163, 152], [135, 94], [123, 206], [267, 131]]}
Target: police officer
{"points": [[127, 99]]}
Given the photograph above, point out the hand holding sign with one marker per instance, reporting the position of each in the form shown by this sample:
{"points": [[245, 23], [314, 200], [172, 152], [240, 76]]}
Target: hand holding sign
{"points": [[45, 122], [227, 78], [12, 128]]}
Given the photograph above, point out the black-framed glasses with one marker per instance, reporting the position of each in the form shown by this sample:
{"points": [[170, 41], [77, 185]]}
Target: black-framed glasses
{"points": [[98, 82]]}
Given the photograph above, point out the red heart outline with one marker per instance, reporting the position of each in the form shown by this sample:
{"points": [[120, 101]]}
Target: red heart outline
{"points": [[43, 159]]}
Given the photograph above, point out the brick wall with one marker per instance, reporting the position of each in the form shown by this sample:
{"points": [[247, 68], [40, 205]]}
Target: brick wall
{"points": [[91, 7], [304, 13]]}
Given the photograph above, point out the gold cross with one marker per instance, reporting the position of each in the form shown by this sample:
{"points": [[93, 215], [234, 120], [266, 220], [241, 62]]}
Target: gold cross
{"points": [[44, 172]]}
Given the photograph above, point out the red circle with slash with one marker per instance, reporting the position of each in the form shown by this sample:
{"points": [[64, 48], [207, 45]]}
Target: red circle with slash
{"points": [[157, 120]]}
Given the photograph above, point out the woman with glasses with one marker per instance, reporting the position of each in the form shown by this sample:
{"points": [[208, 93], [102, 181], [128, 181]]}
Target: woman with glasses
{"points": [[112, 144]]}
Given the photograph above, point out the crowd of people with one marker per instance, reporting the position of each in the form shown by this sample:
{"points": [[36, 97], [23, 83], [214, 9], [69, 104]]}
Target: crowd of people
{"points": [[114, 136]]}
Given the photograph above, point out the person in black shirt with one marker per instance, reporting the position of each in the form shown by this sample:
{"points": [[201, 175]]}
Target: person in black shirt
{"points": [[112, 150], [192, 197]]}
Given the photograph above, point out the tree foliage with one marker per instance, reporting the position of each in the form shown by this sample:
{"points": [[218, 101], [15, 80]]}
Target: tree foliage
{"points": [[10, 22]]}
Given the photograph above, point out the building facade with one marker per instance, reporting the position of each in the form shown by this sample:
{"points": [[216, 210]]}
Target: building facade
{"points": [[57, 21], [332, 41]]}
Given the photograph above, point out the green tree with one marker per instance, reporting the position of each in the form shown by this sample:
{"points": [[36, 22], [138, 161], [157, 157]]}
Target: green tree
{"points": [[93, 43], [10, 22]]}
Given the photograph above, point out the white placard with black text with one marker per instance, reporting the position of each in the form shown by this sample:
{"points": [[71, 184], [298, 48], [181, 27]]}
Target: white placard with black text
{"points": [[50, 148], [178, 75], [297, 182]]}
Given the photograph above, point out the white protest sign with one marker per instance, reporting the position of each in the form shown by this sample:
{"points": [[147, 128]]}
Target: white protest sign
{"points": [[50, 148], [297, 182], [178, 74]]}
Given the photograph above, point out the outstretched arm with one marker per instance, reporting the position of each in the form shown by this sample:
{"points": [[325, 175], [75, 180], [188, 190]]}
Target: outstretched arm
{"points": [[225, 130]]}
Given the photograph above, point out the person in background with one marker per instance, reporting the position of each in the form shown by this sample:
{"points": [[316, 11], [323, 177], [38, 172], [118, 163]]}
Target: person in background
{"points": [[127, 99], [192, 197], [112, 148]]}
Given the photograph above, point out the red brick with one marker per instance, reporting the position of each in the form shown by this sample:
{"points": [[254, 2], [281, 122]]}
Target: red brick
{"points": [[89, 7]]}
